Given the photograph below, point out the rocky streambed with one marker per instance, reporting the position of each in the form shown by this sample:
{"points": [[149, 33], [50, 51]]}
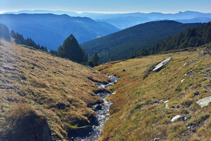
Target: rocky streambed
{"points": [[102, 114]]}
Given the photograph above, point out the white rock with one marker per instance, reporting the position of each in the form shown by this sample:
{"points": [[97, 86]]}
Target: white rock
{"points": [[185, 64], [114, 92], [161, 64], [167, 106], [156, 139], [204, 102], [176, 118], [166, 101], [182, 80]]}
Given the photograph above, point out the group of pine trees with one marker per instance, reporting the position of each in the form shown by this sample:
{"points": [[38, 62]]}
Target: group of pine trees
{"points": [[73, 51], [192, 37], [29, 42], [70, 48]]}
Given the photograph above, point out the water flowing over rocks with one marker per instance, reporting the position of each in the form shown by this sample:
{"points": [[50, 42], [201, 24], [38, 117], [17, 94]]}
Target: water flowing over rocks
{"points": [[102, 113]]}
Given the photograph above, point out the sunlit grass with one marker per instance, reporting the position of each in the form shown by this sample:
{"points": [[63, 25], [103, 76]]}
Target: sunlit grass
{"points": [[57, 88], [139, 98]]}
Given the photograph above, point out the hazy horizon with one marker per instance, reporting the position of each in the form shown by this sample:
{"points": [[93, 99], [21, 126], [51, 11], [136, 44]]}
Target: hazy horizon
{"points": [[107, 6]]}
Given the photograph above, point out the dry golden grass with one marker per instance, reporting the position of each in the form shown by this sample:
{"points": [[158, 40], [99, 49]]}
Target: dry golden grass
{"points": [[59, 89], [139, 112]]}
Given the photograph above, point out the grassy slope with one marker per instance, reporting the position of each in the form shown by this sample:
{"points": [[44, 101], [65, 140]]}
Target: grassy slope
{"points": [[139, 113], [56, 88]]}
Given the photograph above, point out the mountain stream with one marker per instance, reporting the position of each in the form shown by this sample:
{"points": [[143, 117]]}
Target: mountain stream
{"points": [[102, 113]]}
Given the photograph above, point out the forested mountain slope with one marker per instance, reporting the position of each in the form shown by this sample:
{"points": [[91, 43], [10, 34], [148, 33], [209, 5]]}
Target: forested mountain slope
{"points": [[51, 30], [123, 43], [192, 37]]}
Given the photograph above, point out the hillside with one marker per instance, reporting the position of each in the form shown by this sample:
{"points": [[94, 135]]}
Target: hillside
{"points": [[189, 39], [44, 94], [146, 104], [123, 43], [51, 30]]}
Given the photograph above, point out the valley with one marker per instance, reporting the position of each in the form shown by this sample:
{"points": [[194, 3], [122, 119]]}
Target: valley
{"points": [[149, 81]]}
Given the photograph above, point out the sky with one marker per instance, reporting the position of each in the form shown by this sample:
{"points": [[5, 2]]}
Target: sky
{"points": [[108, 6]]}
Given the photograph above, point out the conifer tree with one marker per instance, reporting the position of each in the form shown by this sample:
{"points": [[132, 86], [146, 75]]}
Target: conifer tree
{"points": [[96, 59], [72, 50], [4, 32]]}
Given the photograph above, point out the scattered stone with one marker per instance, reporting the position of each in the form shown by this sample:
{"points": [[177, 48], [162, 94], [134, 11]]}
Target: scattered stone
{"points": [[7, 67], [167, 106], [204, 102], [182, 80], [185, 64], [2, 118], [177, 118], [191, 128], [114, 92], [156, 139], [162, 64]]}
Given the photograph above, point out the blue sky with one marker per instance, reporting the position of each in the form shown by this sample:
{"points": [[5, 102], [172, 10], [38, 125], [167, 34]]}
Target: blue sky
{"points": [[117, 6]]}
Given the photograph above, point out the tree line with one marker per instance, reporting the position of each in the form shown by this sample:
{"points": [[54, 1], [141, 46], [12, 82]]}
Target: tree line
{"points": [[29, 42], [192, 37], [70, 48]]}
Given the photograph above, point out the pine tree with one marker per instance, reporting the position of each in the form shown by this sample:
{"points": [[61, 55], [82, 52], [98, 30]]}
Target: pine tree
{"points": [[4, 32], [72, 50], [96, 59]]}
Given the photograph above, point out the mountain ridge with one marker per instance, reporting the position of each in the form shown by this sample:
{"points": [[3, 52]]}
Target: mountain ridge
{"points": [[50, 30], [121, 44], [115, 18]]}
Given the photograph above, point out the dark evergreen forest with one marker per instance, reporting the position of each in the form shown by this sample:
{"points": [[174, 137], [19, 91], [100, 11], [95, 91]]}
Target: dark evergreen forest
{"points": [[192, 37]]}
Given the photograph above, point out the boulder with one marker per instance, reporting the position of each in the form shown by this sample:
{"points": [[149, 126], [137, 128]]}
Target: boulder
{"points": [[177, 118], [204, 102], [162, 64]]}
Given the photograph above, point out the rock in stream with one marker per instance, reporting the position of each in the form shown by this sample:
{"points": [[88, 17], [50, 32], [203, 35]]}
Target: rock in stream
{"points": [[102, 113]]}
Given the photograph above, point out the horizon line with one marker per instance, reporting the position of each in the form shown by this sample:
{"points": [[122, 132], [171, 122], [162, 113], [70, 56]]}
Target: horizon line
{"points": [[96, 12]]}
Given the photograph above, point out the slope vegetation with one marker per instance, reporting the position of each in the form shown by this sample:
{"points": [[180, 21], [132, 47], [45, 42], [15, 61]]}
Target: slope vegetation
{"points": [[146, 103], [35, 83], [192, 37], [51, 30], [123, 43]]}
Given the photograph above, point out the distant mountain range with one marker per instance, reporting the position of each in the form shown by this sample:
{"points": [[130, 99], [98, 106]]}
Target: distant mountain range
{"points": [[126, 20], [122, 44], [51, 30]]}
